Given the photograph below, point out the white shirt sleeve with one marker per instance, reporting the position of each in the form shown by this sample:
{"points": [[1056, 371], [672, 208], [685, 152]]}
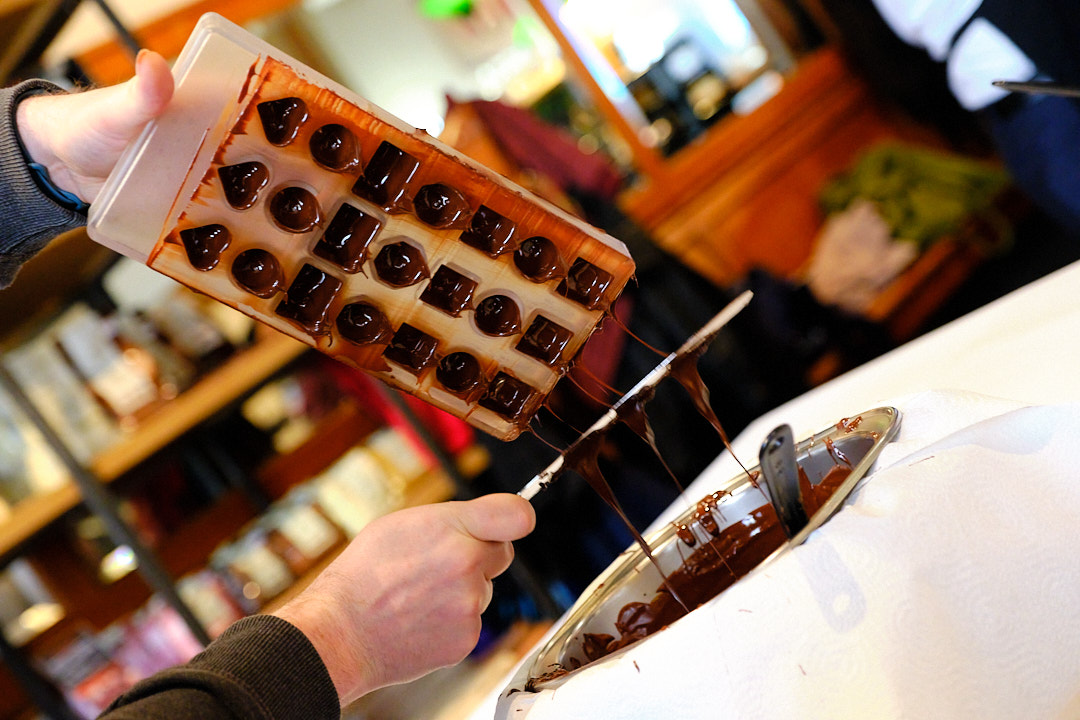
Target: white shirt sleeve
{"points": [[981, 55]]}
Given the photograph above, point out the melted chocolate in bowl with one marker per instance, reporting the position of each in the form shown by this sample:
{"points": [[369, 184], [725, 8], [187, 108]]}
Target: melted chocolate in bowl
{"points": [[705, 550]]}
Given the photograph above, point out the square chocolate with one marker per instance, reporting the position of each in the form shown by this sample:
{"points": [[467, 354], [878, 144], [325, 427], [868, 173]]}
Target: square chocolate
{"points": [[386, 176], [490, 232], [347, 238], [449, 290], [307, 301], [585, 284], [412, 349], [545, 340], [507, 396]]}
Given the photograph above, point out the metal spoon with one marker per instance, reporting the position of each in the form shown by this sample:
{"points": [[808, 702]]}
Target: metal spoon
{"points": [[781, 473]]}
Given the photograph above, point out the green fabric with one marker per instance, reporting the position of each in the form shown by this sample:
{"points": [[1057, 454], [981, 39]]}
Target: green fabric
{"points": [[921, 194]]}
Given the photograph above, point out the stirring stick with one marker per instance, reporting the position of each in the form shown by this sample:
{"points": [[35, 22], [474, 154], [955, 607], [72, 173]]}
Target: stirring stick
{"points": [[702, 336], [1039, 87]]}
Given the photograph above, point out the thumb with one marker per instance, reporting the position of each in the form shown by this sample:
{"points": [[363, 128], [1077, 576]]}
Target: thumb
{"points": [[499, 517], [150, 90]]}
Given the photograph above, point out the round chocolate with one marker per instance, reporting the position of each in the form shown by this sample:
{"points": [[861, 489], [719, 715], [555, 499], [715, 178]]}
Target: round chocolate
{"points": [[459, 373], [281, 119], [258, 272], [242, 182], [498, 315], [363, 323], [538, 259], [335, 147], [400, 264], [205, 244], [440, 205], [295, 209]]}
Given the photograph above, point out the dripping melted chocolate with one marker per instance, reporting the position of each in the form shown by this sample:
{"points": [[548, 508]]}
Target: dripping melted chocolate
{"points": [[730, 554]]}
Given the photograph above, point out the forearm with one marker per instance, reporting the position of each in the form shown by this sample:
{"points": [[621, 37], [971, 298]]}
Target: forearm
{"points": [[261, 668], [30, 217]]}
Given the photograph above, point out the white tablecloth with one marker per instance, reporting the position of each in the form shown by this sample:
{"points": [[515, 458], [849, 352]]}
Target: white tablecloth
{"points": [[947, 587]]}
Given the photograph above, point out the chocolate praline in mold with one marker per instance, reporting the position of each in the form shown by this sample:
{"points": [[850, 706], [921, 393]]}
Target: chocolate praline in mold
{"points": [[585, 284], [538, 259], [498, 315], [545, 340], [364, 324], [440, 205], [205, 244], [401, 264], [346, 240], [282, 119], [307, 302], [295, 209], [489, 232], [242, 183], [335, 147], [386, 176], [507, 396], [258, 272], [460, 373], [411, 348], [449, 290]]}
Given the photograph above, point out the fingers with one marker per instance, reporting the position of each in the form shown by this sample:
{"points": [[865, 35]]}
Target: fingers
{"points": [[152, 86], [499, 517]]}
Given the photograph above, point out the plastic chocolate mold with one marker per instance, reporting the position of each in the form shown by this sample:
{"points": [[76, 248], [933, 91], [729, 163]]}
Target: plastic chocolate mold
{"points": [[281, 193]]}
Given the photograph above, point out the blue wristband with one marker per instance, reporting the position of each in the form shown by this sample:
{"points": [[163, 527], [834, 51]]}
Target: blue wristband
{"points": [[68, 200]]}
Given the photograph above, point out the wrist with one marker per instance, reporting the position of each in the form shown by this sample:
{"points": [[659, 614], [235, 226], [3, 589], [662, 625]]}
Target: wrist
{"points": [[32, 120], [343, 655]]}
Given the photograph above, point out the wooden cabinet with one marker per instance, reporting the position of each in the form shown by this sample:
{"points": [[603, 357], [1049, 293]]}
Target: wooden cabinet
{"points": [[746, 194]]}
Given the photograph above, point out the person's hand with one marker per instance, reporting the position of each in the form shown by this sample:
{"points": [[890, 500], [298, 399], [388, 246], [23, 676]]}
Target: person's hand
{"points": [[405, 597], [78, 137]]}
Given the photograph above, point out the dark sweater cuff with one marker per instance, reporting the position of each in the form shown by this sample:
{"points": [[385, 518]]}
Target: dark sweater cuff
{"points": [[262, 666], [30, 217]]}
